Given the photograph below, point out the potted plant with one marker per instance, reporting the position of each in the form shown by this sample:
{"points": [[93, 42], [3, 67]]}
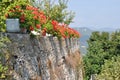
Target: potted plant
{"points": [[30, 18], [12, 15]]}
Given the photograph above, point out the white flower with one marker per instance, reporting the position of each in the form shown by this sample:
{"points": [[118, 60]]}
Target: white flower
{"points": [[35, 33], [48, 34]]}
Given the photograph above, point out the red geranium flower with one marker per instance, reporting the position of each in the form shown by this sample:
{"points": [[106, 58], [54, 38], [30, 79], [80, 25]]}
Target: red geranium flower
{"points": [[54, 23], [17, 7], [35, 17], [31, 28], [44, 32], [22, 20], [38, 26], [29, 7], [35, 12]]}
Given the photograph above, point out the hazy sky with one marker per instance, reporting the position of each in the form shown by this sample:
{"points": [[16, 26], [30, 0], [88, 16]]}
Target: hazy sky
{"points": [[95, 13]]}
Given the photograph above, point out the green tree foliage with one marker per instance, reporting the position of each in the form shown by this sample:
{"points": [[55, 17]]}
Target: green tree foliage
{"points": [[102, 46], [55, 9], [110, 70], [115, 38]]}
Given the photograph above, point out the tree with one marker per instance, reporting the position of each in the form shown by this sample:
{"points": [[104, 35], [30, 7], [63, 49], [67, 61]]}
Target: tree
{"points": [[99, 45], [110, 70], [115, 38], [55, 11], [102, 47]]}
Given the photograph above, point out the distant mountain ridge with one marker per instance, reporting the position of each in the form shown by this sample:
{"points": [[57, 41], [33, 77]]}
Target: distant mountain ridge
{"points": [[106, 29], [85, 34], [83, 30]]}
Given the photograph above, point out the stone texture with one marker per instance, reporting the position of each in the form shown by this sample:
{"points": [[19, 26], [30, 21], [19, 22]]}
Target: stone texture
{"points": [[44, 58]]}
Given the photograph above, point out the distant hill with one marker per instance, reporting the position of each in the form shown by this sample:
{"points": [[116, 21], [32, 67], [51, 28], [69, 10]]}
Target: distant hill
{"points": [[85, 34], [83, 30], [106, 29]]}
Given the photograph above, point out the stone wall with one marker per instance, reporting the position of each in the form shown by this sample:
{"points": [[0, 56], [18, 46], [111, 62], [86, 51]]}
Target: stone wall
{"points": [[44, 58]]}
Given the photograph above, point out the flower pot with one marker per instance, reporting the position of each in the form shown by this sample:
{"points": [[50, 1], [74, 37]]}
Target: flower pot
{"points": [[12, 25], [23, 30]]}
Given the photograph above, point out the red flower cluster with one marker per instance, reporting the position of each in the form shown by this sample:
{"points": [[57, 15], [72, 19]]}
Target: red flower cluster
{"points": [[38, 26], [55, 25], [33, 19], [28, 16], [31, 28], [29, 7], [22, 18], [64, 30], [37, 16]]}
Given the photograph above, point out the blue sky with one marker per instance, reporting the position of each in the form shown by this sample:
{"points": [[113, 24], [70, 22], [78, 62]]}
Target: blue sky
{"points": [[95, 13]]}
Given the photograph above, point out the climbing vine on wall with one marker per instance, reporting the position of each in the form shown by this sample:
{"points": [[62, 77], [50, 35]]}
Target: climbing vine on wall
{"points": [[3, 57]]}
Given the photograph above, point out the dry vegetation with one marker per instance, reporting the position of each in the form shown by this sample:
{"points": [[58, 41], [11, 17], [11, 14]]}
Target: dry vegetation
{"points": [[72, 60]]}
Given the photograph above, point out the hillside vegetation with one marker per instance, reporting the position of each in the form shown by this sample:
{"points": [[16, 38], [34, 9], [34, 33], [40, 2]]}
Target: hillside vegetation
{"points": [[102, 47]]}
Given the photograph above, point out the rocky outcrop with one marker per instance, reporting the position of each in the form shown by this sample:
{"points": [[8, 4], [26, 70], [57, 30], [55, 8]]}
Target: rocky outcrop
{"points": [[44, 58]]}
